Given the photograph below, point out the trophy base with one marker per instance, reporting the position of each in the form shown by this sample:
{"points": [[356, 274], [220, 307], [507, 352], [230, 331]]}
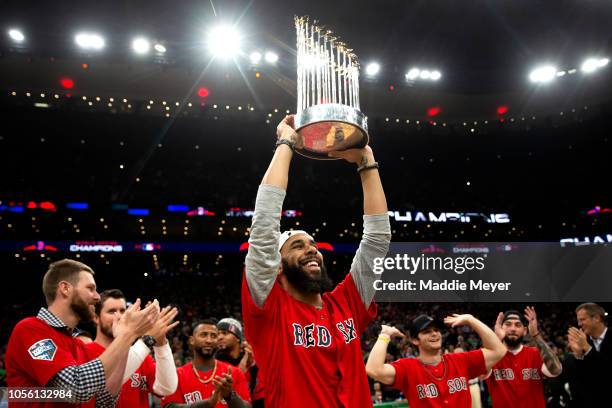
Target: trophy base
{"points": [[330, 127]]}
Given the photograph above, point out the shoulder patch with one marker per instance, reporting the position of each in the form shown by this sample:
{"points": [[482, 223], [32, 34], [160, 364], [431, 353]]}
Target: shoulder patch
{"points": [[43, 350]]}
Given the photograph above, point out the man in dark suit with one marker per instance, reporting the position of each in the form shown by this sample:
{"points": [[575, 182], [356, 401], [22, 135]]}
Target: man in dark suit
{"points": [[588, 369]]}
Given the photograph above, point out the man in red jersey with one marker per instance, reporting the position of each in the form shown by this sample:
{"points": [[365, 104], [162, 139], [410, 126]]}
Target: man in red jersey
{"points": [[305, 338], [207, 382], [432, 379], [142, 374], [43, 351], [233, 349], [518, 376]]}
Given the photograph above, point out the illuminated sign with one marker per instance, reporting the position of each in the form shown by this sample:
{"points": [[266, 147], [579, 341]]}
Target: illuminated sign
{"points": [[243, 212], [96, 246], [462, 217], [605, 239], [201, 212], [598, 210], [147, 247], [324, 246], [40, 246]]}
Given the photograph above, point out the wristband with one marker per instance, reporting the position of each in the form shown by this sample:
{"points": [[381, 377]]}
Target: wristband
{"points": [[367, 167], [385, 337], [287, 142]]}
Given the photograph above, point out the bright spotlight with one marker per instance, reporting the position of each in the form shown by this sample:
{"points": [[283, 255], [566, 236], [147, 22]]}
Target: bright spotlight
{"points": [[255, 57], [372, 69], [16, 35], [271, 57], [590, 65], [425, 74], [603, 62], [89, 41], [413, 74], [561, 73], [141, 45], [543, 74], [160, 48], [224, 41], [435, 75]]}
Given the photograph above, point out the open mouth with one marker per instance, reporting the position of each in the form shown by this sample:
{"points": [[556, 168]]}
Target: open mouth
{"points": [[311, 264]]}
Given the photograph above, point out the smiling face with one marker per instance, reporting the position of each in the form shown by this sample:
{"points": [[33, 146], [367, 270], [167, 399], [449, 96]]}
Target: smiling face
{"points": [[303, 265], [429, 340], [591, 325], [84, 297], [515, 331]]}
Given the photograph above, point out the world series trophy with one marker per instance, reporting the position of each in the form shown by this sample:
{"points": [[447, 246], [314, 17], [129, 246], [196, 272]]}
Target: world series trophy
{"points": [[328, 116]]}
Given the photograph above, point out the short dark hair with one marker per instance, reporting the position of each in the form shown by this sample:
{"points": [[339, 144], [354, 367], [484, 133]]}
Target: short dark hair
{"points": [[109, 293], [65, 270], [593, 309], [210, 321]]}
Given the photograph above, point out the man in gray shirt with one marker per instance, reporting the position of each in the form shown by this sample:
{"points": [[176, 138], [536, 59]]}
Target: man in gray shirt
{"points": [[305, 338]]}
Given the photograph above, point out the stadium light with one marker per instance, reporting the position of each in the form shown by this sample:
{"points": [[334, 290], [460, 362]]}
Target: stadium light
{"points": [[543, 74], [141, 45], [16, 35], [224, 41], [271, 57], [413, 74], [435, 75], [425, 74], [89, 41], [372, 69], [160, 48], [255, 57], [590, 65], [603, 62]]}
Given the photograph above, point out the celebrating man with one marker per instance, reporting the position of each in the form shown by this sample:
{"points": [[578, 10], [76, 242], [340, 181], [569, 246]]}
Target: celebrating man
{"points": [[307, 339]]}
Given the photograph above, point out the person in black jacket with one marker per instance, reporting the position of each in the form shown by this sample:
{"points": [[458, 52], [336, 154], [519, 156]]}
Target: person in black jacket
{"points": [[588, 368]]}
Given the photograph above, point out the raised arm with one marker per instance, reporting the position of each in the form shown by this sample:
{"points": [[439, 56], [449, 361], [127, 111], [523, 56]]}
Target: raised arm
{"points": [[376, 366], [263, 258], [376, 227], [551, 361], [492, 347]]}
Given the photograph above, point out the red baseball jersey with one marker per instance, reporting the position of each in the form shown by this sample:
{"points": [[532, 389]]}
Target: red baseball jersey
{"points": [[36, 352], [135, 391], [310, 357], [190, 389], [443, 385], [518, 377]]}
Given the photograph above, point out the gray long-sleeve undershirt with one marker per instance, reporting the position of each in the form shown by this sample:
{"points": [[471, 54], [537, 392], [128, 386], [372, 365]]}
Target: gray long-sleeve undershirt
{"points": [[263, 257]]}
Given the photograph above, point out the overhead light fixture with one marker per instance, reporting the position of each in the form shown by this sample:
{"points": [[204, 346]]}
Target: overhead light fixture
{"points": [[160, 48], [271, 57], [425, 74], [435, 75], [543, 74], [255, 57], [141, 45], [89, 41], [590, 65], [16, 35], [224, 41], [372, 69], [413, 74]]}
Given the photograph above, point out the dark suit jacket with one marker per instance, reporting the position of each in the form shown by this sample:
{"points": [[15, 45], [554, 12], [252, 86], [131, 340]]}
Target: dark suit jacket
{"points": [[589, 378]]}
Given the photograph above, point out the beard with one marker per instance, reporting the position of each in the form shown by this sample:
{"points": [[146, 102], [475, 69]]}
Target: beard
{"points": [[81, 309], [306, 283], [107, 330], [513, 343], [206, 354]]}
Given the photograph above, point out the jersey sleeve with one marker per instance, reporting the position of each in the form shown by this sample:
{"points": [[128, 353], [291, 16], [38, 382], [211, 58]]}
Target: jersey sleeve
{"points": [[240, 385], [475, 362], [177, 396], [401, 374], [40, 352], [148, 370], [347, 290]]}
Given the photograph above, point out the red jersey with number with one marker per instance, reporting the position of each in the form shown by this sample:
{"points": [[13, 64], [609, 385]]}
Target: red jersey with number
{"points": [[135, 391], [310, 357], [518, 377], [191, 388], [36, 352], [443, 385]]}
